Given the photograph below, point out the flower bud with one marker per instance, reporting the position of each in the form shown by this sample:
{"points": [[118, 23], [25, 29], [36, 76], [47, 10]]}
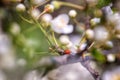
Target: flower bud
{"points": [[20, 7], [49, 8], [94, 21], [15, 28], [56, 4], [46, 19], [110, 58], [89, 34], [35, 13], [72, 13], [109, 44], [98, 13], [64, 39]]}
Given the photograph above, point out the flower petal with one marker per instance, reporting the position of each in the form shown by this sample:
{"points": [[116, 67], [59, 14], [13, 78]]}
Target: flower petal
{"points": [[68, 29], [63, 18], [56, 29], [59, 24]]}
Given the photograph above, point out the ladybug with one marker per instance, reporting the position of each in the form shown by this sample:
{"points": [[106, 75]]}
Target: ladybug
{"points": [[67, 51]]}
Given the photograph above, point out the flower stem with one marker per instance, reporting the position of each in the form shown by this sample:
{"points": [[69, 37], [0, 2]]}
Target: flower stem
{"points": [[41, 14], [29, 21], [53, 35], [76, 22], [44, 32], [71, 5], [83, 38]]}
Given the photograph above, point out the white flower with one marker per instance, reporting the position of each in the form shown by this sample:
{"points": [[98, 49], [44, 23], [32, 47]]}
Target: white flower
{"points": [[101, 34], [114, 18], [72, 13], [72, 42], [60, 24], [107, 9], [75, 39], [20, 7]]}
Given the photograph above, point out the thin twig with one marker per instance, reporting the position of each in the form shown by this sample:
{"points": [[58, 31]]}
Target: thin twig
{"points": [[71, 5], [89, 43]]}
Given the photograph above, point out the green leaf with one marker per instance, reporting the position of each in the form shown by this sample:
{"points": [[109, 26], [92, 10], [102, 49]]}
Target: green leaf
{"points": [[102, 3], [97, 54]]}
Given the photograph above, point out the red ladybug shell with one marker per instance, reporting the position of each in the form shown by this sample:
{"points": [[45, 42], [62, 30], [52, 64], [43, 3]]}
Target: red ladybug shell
{"points": [[67, 51]]}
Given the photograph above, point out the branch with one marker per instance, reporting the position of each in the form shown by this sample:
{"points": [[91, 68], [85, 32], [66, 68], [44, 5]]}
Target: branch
{"points": [[69, 59], [94, 73]]}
